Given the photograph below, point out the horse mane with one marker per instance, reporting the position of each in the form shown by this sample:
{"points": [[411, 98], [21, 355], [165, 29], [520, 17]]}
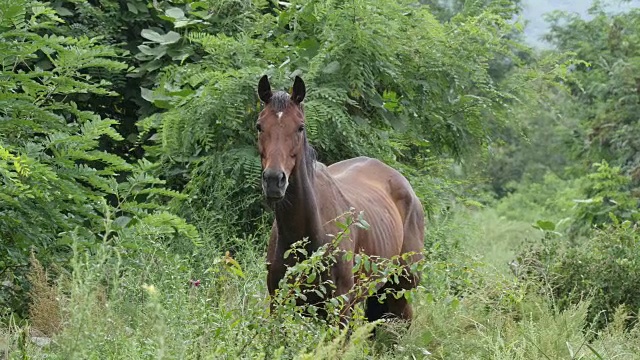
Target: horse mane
{"points": [[279, 101], [310, 157]]}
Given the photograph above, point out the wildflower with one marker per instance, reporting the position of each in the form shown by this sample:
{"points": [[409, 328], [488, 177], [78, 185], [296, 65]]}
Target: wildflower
{"points": [[150, 289]]}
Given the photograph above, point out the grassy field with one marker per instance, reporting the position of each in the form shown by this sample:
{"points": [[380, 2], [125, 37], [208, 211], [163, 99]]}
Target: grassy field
{"points": [[470, 306]]}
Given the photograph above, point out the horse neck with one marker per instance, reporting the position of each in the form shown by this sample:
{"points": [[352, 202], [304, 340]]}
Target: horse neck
{"points": [[297, 215]]}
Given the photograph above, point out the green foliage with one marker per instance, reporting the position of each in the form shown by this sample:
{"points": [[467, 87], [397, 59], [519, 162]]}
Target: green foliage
{"points": [[158, 308], [308, 278], [606, 89], [128, 168], [222, 207], [539, 143], [445, 10], [165, 306], [602, 268], [110, 23], [55, 180], [389, 82], [501, 316], [576, 130], [551, 198], [606, 192]]}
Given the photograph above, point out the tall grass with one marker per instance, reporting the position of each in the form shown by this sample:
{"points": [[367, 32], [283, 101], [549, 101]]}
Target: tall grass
{"points": [[159, 304]]}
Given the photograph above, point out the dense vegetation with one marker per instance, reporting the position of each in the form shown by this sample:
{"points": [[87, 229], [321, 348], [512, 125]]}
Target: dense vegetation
{"points": [[131, 219]]}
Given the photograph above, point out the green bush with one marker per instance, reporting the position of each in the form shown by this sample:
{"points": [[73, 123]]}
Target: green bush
{"points": [[606, 267], [606, 196], [56, 182], [586, 202], [603, 268], [605, 90], [164, 306]]}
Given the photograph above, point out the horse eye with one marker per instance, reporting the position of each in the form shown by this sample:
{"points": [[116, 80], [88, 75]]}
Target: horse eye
{"points": [[301, 128], [258, 127]]}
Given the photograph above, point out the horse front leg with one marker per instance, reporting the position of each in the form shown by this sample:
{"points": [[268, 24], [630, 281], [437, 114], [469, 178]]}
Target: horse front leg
{"points": [[344, 287]]}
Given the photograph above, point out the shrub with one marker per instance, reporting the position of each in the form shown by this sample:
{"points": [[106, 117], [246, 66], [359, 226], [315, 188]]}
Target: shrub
{"points": [[405, 92], [606, 192], [56, 182], [604, 267]]}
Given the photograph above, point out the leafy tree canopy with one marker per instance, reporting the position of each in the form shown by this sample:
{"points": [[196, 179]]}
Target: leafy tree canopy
{"points": [[385, 79], [606, 89]]}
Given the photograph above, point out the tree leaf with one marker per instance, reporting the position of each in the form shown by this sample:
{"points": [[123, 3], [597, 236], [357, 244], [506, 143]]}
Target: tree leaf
{"points": [[157, 51], [331, 68], [311, 278], [122, 221], [175, 13], [545, 225], [166, 39], [147, 94], [132, 8]]}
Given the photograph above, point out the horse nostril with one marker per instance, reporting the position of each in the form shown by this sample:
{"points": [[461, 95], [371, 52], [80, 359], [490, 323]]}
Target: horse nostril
{"points": [[274, 178]]}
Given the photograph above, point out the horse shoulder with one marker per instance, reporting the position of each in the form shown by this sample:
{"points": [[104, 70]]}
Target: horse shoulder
{"points": [[332, 200]]}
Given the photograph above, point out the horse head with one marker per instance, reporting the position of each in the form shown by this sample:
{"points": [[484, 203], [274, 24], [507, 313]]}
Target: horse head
{"points": [[281, 136]]}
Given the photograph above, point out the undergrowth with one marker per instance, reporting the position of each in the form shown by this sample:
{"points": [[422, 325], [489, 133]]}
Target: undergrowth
{"points": [[469, 306]]}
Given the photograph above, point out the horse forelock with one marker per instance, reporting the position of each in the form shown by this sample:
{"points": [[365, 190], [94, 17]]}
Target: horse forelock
{"points": [[279, 101]]}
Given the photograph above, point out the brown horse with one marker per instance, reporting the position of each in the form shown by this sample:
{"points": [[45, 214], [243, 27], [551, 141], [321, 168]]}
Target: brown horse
{"points": [[306, 196]]}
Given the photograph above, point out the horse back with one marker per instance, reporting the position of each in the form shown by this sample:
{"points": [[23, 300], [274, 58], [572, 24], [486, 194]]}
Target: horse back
{"points": [[390, 206]]}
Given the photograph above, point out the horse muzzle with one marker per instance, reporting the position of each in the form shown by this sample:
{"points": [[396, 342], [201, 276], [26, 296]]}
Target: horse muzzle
{"points": [[274, 184]]}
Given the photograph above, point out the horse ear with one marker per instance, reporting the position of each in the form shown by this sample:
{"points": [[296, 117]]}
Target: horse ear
{"points": [[299, 90], [264, 89]]}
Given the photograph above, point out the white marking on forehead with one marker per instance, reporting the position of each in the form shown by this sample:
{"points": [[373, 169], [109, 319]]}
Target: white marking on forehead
{"points": [[279, 113]]}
